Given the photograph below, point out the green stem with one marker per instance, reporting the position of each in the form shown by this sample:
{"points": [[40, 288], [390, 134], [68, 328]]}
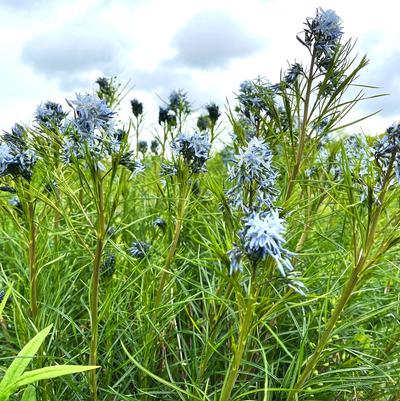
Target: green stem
{"points": [[174, 245], [165, 137], [244, 330], [303, 131], [95, 287], [137, 137], [32, 260]]}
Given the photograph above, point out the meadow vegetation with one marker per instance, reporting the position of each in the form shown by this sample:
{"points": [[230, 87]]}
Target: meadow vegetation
{"points": [[264, 268]]}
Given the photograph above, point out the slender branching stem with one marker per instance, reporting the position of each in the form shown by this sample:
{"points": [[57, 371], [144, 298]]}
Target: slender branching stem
{"points": [[95, 285], [303, 131], [244, 332], [175, 240]]}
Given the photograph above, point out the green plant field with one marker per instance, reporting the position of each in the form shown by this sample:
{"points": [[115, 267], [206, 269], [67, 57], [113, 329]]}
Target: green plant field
{"points": [[261, 267]]}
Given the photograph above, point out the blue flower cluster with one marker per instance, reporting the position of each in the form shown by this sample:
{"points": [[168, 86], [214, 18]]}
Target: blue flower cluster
{"points": [[253, 176], [323, 34], [134, 166], [91, 131], [356, 149], [168, 170], [254, 193], [16, 139], [388, 148], [252, 95], [194, 148], [293, 73], [50, 114], [15, 158], [139, 249], [91, 113], [262, 236], [160, 223]]}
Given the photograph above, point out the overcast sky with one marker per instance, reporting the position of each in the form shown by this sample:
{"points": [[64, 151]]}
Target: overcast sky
{"points": [[53, 48]]}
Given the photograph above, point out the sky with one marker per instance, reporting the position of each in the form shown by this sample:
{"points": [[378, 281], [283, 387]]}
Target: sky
{"points": [[51, 49]]}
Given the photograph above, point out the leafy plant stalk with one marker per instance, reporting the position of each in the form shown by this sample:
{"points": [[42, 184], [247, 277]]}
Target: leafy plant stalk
{"points": [[348, 291], [95, 284]]}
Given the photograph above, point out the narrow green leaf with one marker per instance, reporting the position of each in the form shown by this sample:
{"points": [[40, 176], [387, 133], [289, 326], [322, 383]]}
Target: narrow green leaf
{"points": [[158, 378], [4, 301], [49, 372], [22, 360], [29, 394]]}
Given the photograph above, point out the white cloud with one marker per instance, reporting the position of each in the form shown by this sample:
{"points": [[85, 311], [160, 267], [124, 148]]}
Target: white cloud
{"points": [[73, 42]]}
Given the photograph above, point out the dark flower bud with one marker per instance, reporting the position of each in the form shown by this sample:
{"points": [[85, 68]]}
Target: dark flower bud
{"points": [[213, 112], [154, 146], [2, 295], [162, 115], [108, 266], [105, 87], [6, 188], [131, 164], [202, 123], [166, 115], [160, 223], [139, 249], [137, 107], [143, 146], [178, 102]]}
